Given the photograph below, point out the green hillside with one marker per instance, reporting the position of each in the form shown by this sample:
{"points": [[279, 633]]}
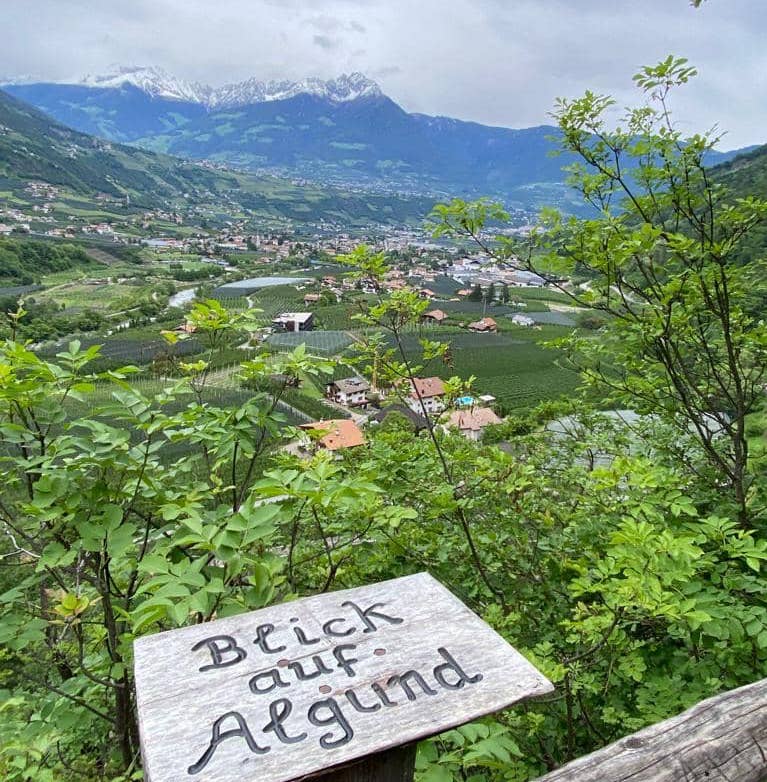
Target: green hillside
{"points": [[746, 175], [35, 147], [23, 262]]}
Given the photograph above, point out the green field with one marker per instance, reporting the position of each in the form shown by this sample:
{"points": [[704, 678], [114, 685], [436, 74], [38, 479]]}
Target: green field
{"points": [[512, 366], [325, 343], [106, 297]]}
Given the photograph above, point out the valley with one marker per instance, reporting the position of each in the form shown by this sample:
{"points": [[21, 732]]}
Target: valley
{"points": [[275, 339], [344, 132]]}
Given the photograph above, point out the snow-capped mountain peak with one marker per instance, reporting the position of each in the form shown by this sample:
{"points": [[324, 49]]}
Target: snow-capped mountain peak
{"points": [[344, 88], [158, 83], [154, 81]]}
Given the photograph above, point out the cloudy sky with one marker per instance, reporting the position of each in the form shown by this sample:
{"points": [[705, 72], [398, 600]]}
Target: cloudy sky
{"points": [[499, 62]]}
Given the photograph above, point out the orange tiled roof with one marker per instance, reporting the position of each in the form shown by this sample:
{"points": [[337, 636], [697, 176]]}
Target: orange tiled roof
{"points": [[341, 433], [473, 420], [486, 324]]}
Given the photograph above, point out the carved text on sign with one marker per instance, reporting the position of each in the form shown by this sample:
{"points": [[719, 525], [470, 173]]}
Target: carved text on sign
{"points": [[289, 690]]}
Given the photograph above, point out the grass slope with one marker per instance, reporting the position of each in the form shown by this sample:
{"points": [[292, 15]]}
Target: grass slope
{"points": [[35, 147]]}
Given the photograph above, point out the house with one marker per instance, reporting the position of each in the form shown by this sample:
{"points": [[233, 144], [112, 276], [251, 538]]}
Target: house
{"points": [[522, 320], [417, 420], [485, 325], [340, 433], [527, 279], [434, 316], [185, 328], [312, 298], [294, 321], [426, 293], [471, 423], [351, 392], [428, 393], [464, 292], [231, 247]]}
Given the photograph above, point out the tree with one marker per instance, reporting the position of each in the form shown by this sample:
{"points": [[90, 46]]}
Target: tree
{"points": [[122, 513], [476, 294], [685, 337]]}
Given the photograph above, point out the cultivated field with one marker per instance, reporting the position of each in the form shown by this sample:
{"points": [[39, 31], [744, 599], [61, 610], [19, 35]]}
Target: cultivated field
{"points": [[512, 366]]}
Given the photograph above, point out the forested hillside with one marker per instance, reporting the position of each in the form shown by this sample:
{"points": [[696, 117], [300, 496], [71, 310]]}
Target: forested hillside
{"points": [[23, 262], [746, 176], [35, 147]]}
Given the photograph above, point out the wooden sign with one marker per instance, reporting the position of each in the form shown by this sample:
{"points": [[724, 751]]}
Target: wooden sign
{"points": [[301, 687]]}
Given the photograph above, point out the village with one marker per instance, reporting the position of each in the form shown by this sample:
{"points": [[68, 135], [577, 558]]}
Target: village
{"points": [[154, 264]]}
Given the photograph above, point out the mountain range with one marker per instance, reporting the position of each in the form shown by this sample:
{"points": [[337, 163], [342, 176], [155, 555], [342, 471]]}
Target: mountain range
{"points": [[345, 131], [160, 84], [33, 146]]}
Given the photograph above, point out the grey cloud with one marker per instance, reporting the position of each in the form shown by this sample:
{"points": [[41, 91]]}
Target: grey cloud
{"points": [[325, 23], [326, 42], [501, 62], [388, 70]]}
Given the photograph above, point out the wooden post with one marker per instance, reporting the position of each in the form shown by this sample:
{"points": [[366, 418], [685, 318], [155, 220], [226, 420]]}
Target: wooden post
{"points": [[337, 687], [395, 765]]}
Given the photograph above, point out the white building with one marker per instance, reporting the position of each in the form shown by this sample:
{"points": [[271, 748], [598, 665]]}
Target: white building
{"points": [[294, 321], [351, 392], [427, 393]]}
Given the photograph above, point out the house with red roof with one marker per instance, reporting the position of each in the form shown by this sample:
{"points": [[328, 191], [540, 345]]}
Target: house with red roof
{"points": [[337, 434], [484, 326], [427, 393]]}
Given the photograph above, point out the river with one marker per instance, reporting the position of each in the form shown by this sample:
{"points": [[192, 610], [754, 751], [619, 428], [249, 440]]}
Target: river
{"points": [[182, 297]]}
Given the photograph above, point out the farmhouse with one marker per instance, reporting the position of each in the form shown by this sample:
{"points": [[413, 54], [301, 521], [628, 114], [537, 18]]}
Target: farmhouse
{"points": [[294, 321], [351, 392], [434, 316], [341, 433], [428, 394], [471, 423], [418, 422], [312, 298], [485, 325], [522, 320]]}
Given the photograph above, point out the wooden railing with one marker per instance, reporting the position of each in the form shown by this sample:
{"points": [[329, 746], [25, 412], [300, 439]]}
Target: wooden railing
{"points": [[722, 739]]}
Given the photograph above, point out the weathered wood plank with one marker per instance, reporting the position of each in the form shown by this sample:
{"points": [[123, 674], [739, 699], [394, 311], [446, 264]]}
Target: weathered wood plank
{"points": [[722, 739], [288, 691]]}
